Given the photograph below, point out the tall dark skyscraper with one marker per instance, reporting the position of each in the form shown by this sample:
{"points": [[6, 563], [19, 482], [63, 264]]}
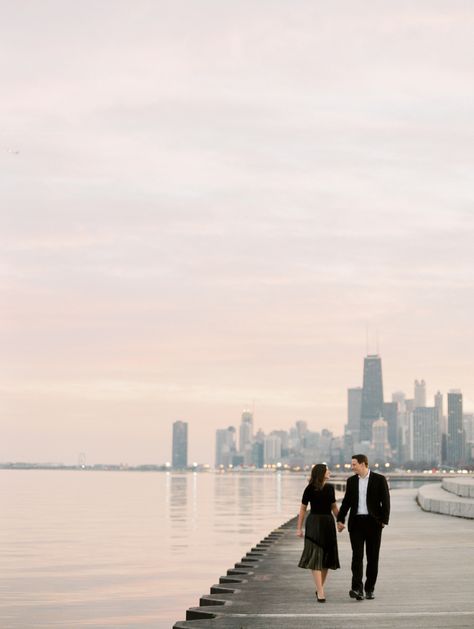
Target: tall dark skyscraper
{"points": [[180, 445], [455, 440], [372, 395]]}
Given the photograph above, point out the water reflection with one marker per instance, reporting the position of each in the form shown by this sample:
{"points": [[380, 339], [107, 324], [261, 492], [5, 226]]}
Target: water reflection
{"points": [[278, 492], [194, 501], [209, 521], [178, 495], [177, 513]]}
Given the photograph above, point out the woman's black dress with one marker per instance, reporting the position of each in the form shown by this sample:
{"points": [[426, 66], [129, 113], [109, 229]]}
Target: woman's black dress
{"points": [[320, 541]]}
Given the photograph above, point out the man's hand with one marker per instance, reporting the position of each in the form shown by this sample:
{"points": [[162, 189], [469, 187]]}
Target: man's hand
{"points": [[340, 527]]}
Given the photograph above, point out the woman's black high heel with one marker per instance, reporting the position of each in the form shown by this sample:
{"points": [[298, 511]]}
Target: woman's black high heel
{"points": [[320, 600]]}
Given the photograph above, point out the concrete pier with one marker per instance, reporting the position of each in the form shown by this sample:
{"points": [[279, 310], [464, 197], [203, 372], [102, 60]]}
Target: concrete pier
{"points": [[425, 580], [453, 496]]}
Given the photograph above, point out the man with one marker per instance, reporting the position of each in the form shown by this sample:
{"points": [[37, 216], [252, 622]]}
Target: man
{"points": [[368, 499]]}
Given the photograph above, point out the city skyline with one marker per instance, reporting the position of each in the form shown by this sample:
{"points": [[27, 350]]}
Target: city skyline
{"points": [[205, 205], [405, 431], [315, 425]]}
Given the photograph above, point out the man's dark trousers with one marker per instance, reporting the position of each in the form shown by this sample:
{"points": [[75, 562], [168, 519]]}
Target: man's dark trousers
{"points": [[365, 530]]}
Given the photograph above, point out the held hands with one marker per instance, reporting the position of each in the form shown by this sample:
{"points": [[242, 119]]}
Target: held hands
{"points": [[340, 527]]}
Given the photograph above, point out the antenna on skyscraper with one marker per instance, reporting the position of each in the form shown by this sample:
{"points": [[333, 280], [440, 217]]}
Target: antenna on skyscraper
{"points": [[367, 338], [377, 341]]}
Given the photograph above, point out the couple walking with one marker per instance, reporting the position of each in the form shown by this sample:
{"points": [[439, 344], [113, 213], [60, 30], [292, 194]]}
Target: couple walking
{"points": [[367, 497]]}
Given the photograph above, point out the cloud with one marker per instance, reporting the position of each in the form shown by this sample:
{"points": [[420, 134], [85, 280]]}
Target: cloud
{"points": [[217, 198]]}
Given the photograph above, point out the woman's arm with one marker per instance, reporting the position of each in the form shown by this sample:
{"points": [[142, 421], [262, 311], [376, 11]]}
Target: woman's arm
{"points": [[335, 509], [301, 514]]}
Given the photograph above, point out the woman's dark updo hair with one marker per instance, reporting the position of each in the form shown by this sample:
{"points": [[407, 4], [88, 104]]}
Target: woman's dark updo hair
{"points": [[317, 475]]}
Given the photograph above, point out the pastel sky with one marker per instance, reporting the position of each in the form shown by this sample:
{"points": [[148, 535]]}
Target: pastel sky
{"points": [[203, 204]]}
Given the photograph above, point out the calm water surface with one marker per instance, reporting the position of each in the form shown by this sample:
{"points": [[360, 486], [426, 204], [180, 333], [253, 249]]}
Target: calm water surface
{"points": [[127, 549]]}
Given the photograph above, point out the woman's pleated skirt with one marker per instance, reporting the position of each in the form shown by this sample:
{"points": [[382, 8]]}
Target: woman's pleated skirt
{"points": [[320, 543]]}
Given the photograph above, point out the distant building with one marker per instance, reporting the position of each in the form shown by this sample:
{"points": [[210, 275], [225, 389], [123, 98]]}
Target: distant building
{"points": [[409, 407], [257, 454], [301, 429], [284, 440], [372, 396], [350, 445], [420, 393], [468, 425], [272, 450], [225, 446], [390, 414], [438, 402], [381, 451], [325, 446], [246, 431], [426, 436], [443, 427], [399, 397], [354, 406], [246, 438], [455, 438], [311, 450], [337, 451], [257, 448], [402, 438], [180, 445]]}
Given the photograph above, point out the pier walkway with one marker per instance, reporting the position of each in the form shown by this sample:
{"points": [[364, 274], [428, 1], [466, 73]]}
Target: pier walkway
{"points": [[426, 579]]}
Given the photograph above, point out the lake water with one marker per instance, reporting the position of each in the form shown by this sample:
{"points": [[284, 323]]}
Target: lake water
{"points": [[127, 549]]}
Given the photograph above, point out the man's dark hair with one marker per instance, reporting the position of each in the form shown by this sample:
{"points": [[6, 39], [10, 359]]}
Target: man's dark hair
{"points": [[361, 458]]}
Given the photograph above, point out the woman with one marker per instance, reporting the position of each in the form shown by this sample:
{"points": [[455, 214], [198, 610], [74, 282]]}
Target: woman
{"points": [[320, 543]]}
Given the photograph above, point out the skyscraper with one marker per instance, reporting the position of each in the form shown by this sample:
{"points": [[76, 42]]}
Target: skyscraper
{"points": [[302, 429], [372, 396], [426, 436], [403, 427], [380, 445], [455, 439], [246, 431], [468, 423], [399, 397], [225, 446], [438, 402], [272, 450], [420, 393], [354, 404], [390, 414], [180, 445]]}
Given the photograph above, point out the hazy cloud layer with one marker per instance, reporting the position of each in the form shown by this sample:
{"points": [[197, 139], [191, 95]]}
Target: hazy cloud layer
{"points": [[203, 204]]}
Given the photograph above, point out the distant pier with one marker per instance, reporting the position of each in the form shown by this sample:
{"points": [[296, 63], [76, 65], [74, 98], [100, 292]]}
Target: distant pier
{"points": [[425, 580]]}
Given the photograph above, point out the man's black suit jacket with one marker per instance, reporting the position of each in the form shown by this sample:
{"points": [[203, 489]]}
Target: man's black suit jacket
{"points": [[378, 499]]}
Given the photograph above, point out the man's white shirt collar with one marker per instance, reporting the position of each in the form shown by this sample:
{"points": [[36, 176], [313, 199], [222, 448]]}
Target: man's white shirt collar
{"points": [[362, 508]]}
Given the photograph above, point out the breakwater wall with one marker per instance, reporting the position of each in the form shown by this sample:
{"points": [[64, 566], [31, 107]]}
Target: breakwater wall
{"points": [[235, 576]]}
